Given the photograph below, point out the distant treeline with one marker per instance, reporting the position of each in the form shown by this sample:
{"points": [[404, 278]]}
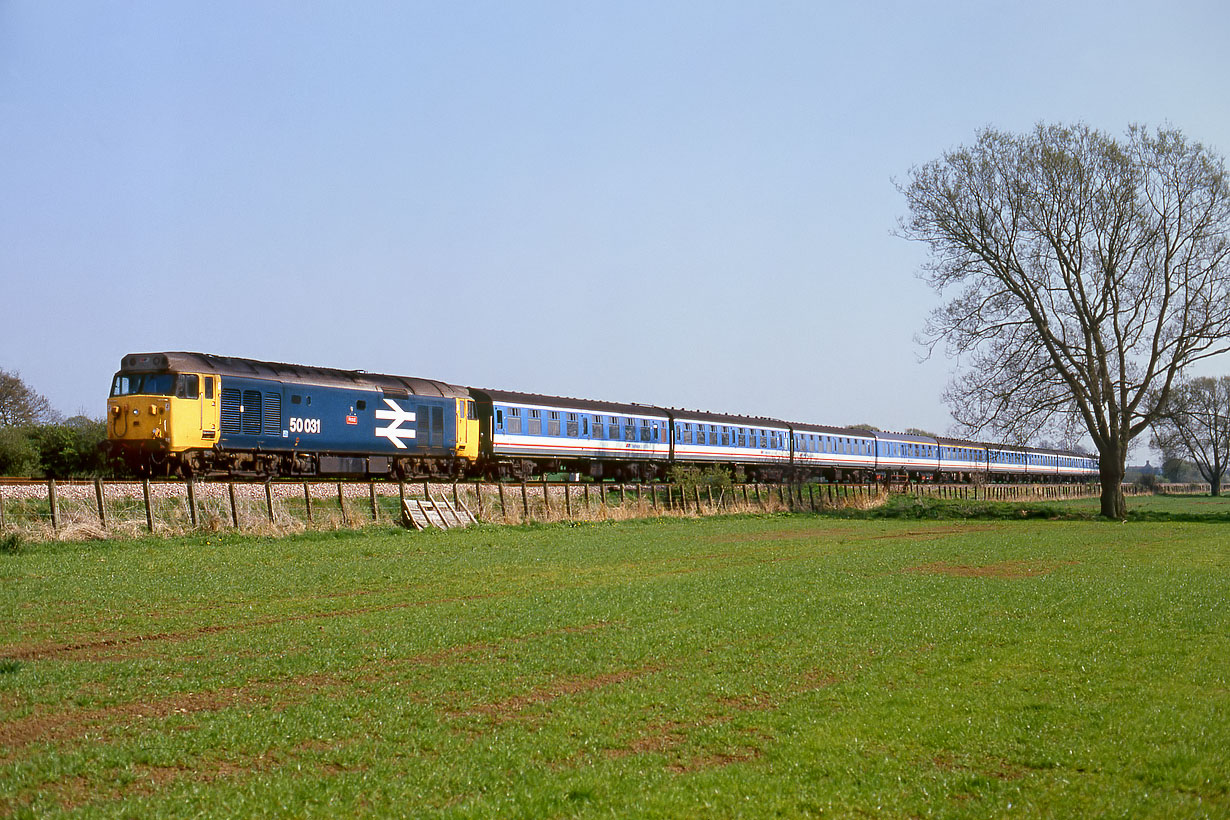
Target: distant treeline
{"points": [[67, 449]]}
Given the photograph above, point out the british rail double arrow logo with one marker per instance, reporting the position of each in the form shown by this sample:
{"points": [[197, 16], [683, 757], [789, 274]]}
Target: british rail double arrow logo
{"points": [[394, 431]]}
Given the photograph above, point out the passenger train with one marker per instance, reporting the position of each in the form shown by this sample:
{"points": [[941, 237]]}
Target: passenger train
{"points": [[200, 414]]}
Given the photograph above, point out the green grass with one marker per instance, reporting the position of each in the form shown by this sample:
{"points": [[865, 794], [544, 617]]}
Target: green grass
{"points": [[1159, 508], [745, 666]]}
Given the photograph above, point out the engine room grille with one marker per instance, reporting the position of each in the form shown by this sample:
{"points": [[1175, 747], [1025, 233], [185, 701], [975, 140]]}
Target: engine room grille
{"points": [[273, 414], [250, 412], [230, 410]]}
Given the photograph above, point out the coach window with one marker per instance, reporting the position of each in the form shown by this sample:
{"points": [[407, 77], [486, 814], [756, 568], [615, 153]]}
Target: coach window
{"points": [[514, 420], [552, 423], [535, 423], [209, 387]]}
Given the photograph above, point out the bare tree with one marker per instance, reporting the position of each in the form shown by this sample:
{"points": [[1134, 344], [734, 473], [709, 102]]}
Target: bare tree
{"points": [[1082, 275], [1195, 422], [20, 405]]}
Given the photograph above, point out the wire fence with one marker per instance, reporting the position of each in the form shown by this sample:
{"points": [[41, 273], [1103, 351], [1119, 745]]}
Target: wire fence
{"points": [[77, 510]]}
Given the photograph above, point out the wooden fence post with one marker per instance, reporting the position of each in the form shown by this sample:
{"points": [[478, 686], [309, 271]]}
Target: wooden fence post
{"points": [[307, 501], [503, 510], [567, 498], [696, 492], [149, 511], [191, 501], [269, 499], [478, 499], [234, 509], [546, 496], [341, 503], [371, 488], [102, 510], [55, 512], [525, 501], [1, 508], [653, 496]]}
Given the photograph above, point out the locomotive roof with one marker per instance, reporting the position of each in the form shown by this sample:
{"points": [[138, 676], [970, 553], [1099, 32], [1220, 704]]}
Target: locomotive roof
{"points": [[292, 373]]}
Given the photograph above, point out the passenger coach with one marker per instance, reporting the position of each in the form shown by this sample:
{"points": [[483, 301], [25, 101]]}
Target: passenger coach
{"points": [[524, 434]]}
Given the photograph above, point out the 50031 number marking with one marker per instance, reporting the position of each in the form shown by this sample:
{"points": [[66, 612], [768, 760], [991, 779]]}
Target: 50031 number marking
{"points": [[304, 425]]}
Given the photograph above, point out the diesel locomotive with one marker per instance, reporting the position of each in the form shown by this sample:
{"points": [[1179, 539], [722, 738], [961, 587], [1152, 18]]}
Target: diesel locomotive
{"points": [[199, 414]]}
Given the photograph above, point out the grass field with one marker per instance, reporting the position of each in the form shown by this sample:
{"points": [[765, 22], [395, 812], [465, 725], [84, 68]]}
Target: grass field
{"points": [[744, 666]]}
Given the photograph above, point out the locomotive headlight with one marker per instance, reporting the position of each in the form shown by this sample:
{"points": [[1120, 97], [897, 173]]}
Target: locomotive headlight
{"points": [[115, 410], [153, 409]]}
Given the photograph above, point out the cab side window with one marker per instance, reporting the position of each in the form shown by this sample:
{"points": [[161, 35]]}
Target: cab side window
{"points": [[186, 386]]}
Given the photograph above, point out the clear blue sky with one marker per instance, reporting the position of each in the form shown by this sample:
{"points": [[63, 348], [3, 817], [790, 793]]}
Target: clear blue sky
{"points": [[685, 203]]}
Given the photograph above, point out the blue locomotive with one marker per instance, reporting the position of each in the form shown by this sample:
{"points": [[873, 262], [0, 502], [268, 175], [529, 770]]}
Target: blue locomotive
{"points": [[199, 414]]}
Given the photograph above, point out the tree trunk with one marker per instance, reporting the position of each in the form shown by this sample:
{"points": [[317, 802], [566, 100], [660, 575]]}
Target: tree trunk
{"points": [[1112, 471], [1215, 486]]}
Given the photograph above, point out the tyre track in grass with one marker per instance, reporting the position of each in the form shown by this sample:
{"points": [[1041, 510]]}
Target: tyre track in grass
{"points": [[65, 726], [46, 651]]}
